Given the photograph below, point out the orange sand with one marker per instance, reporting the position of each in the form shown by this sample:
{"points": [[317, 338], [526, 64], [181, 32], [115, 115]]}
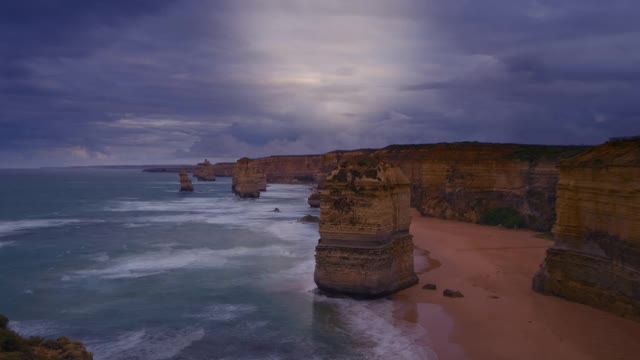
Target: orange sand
{"points": [[500, 317]]}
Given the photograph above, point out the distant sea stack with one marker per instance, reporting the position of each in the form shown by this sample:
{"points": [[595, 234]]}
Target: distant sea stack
{"points": [[595, 258], [247, 180], [365, 249], [185, 182], [204, 171]]}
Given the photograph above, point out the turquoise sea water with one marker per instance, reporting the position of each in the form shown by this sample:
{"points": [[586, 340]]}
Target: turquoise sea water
{"points": [[122, 261]]}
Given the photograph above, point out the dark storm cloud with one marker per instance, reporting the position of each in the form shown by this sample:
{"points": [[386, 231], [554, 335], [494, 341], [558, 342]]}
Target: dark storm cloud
{"points": [[147, 81]]}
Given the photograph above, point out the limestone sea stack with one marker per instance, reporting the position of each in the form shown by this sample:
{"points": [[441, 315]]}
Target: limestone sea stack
{"points": [[595, 258], [247, 180], [365, 249], [204, 171], [185, 182]]}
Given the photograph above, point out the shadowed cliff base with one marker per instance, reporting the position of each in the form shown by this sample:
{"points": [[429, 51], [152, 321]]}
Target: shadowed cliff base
{"points": [[595, 258]]}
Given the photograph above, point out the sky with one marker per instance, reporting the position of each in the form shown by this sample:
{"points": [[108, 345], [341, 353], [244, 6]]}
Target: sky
{"points": [[86, 82]]}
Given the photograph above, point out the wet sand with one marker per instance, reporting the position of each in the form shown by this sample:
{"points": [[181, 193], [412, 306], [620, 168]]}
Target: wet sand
{"points": [[500, 317]]}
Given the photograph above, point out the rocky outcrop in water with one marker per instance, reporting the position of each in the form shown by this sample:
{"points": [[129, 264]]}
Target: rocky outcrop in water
{"points": [[314, 200], [14, 346], [247, 181], [185, 182], [204, 171], [595, 258], [365, 248]]}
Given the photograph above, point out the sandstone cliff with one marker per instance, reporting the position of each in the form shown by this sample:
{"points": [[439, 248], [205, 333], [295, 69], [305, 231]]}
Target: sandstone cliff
{"points": [[204, 171], [224, 168], [499, 184], [365, 248], [185, 182], [471, 181], [247, 180], [595, 258]]}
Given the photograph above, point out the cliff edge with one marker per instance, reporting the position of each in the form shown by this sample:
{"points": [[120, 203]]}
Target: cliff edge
{"points": [[595, 258]]}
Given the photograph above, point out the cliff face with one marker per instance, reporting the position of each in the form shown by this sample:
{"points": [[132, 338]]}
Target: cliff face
{"points": [[471, 181], [185, 182], [204, 171], [223, 168], [474, 182], [304, 168], [365, 248], [596, 255], [247, 181]]}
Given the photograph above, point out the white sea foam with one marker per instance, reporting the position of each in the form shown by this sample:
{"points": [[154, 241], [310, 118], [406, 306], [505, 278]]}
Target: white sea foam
{"points": [[35, 327], [379, 334], [12, 227], [293, 231], [224, 312], [151, 344], [156, 262]]}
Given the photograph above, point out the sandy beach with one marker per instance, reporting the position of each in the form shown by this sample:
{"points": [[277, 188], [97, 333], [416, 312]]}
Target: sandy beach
{"points": [[500, 317]]}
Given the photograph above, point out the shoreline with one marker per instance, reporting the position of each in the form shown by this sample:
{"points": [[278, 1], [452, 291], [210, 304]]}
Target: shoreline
{"points": [[500, 317]]}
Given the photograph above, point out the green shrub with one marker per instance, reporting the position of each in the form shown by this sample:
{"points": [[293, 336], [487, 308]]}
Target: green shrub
{"points": [[4, 321], [505, 216]]}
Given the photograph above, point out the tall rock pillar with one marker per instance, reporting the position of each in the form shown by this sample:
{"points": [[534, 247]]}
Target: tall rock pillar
{"points": [[247, 180], [185, 182], [365, 248], [595, 259]]}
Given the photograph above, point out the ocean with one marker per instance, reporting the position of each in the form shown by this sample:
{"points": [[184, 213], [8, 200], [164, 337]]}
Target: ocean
{"points": [[122, 261]]}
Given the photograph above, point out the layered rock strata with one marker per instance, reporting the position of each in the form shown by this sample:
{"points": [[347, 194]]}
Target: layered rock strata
{"points": [[595, 258], [365, 248], [185, 182], [204, 171], [462, 181], [469, 181], [247, 180]]}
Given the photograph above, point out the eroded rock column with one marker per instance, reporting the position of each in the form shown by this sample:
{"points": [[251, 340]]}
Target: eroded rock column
{"points": [[247, 180], [595, 258], [204, 171], [185, 182], [365, 248]]}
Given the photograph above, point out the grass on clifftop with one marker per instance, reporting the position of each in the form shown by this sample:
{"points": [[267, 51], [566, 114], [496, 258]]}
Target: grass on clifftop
{"points": [[15, 347], [506, 216]]}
